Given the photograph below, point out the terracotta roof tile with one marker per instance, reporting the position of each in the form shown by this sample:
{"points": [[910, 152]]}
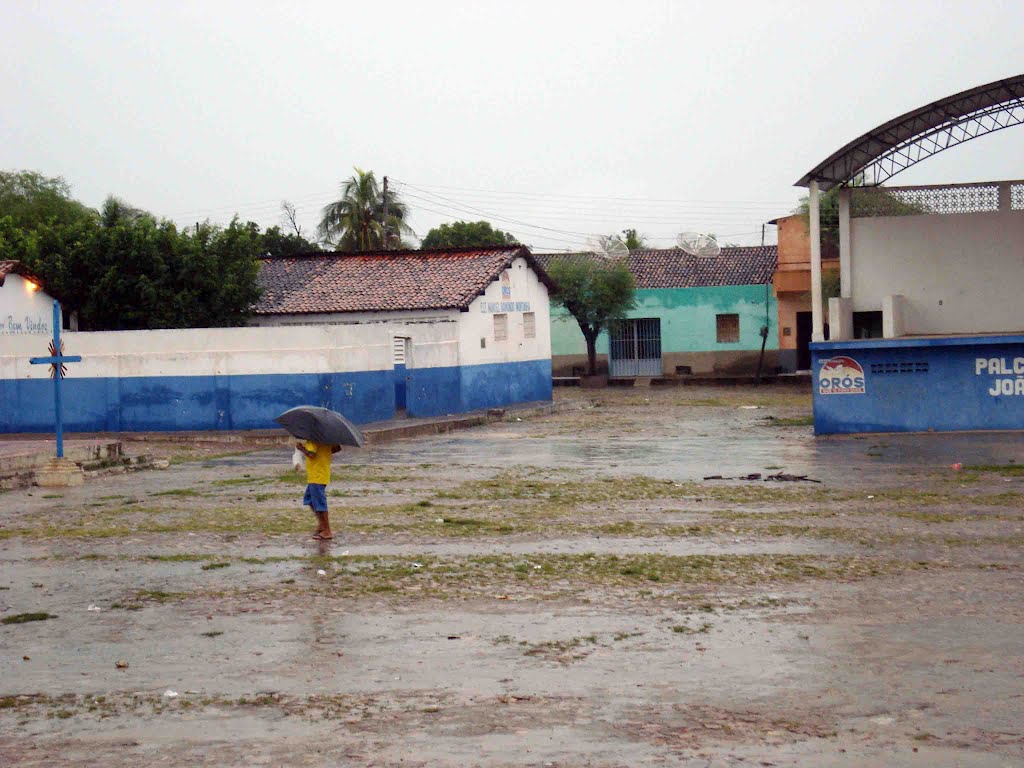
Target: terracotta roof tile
{"points": [[383, 281], [674, 268]]}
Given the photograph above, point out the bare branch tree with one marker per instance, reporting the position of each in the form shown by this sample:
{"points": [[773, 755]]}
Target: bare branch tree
{"points": [[290, 216]]}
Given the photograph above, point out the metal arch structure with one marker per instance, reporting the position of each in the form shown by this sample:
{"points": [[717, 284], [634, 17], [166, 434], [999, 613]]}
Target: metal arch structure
{"points": [[894, 146]]}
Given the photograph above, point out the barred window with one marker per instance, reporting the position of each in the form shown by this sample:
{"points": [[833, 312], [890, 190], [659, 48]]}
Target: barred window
{"points": [[728, 328]]}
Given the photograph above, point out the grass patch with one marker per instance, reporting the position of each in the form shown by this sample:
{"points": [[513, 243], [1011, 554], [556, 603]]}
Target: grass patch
{"points": [[215, 566], [1007, 470], [794, 421], [24, 618], [159, 596], [212, 634], [685, 629], [178, 492]]}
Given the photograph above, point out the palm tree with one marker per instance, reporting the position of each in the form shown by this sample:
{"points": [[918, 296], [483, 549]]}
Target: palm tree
{"points": [[355, 222]]}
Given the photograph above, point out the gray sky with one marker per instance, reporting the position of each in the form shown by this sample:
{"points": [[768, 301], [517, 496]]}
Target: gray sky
{"points": [[695, 116]]}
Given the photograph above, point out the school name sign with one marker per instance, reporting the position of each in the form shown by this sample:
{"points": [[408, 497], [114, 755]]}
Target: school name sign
{"points": [[1007, 374]]}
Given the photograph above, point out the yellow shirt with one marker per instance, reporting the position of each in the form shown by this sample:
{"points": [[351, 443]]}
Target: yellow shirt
{"points": [[318, 468]]}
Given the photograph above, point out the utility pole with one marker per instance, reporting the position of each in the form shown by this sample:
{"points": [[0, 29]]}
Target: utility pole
{"points": [[762, 235], [385, 213]]}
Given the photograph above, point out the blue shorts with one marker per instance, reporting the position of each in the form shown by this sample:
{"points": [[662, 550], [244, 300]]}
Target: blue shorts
{"points": [[316, 497]]}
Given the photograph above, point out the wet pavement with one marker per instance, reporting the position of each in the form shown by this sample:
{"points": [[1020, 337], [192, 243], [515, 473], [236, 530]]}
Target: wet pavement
{"points": [[565, 590]]}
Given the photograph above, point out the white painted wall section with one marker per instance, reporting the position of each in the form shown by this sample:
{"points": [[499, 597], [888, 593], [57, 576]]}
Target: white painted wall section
{"points": [[957, 273], [210, 351], [517, 291], [24, 309]]}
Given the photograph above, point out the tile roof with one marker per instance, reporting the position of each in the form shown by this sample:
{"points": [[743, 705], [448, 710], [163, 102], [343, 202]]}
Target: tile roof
{"points": [[381, 281], [11, 267], [674, 268]]}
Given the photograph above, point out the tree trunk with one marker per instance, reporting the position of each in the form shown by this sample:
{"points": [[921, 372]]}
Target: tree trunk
{"points": [[590, 334]]}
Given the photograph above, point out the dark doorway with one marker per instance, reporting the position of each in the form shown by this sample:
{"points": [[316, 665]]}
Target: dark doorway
{"points": [[803, 340], [804, 325], [867, 325]]}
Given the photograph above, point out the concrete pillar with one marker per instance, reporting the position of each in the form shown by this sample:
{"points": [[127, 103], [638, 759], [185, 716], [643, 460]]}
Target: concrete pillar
{"points": [[893, 308], [817, 321], [840, 319], [1005, 198], [845, 266]]}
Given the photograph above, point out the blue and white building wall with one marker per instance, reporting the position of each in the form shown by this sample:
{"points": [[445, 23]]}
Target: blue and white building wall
{"points": [[496, 353], [201, 379], [947, 288], [505, 342]]}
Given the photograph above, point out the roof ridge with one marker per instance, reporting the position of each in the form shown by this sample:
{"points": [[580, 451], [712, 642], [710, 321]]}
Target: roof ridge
{"points": [[465, 249]]}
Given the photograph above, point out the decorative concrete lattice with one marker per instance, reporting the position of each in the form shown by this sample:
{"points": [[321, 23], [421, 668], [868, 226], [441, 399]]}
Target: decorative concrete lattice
{"points": [[1017, 197], [912, 201]]}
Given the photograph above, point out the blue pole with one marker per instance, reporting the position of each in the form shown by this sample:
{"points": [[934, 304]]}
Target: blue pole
{"points": [[56, 379]]}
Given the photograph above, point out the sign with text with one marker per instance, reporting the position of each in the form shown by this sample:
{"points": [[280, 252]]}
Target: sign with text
{"points": [[1007, 374], [13, 325], [504, 306]]}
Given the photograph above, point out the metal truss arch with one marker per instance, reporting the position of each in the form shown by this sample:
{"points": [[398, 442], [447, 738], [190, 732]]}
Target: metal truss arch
{"points": [[891, 148]]}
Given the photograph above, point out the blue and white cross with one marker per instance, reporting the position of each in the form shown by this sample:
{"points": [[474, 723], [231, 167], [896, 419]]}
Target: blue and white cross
{"points": [[56, 362]]}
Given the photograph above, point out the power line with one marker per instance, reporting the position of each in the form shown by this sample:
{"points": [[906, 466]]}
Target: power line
{"points": [[424, 187]]}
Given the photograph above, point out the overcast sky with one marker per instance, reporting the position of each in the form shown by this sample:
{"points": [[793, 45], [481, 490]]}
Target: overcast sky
{"points": [[552, 119]]}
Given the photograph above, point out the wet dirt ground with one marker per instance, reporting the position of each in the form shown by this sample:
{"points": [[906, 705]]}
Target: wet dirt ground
{"points": [[561, 591]]}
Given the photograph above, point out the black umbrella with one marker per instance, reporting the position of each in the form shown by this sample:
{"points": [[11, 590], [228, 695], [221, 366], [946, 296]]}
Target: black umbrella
{"points": [[307, 422]]}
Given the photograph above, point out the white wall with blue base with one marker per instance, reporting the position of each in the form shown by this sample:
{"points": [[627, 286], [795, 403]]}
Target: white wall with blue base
{"points": [[241, 378]]}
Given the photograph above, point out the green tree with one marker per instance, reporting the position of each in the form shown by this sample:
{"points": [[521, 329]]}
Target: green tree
{"points": [[864, 201], [465, 234], [276, 244], [32, 200], [633, 240], [355, 222], [594, 292]]}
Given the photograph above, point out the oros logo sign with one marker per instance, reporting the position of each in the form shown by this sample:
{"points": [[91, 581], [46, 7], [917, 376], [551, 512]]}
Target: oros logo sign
{"points": [[841, 376]]}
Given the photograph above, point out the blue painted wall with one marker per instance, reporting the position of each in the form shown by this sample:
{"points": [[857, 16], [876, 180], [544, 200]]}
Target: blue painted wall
{"points": [[491, 386], [916, 385], [167, 403]]}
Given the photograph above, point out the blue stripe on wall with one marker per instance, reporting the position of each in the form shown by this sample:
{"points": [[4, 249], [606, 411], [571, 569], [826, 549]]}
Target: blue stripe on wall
{"points": [[168, 403], [491, 386], [919, 385]]}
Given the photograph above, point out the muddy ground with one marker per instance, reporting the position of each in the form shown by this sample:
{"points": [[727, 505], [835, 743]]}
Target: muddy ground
{"points": [[563, 591]]}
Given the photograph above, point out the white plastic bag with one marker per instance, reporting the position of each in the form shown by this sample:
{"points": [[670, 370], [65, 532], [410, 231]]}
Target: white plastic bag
{"points": [[299, 460]]}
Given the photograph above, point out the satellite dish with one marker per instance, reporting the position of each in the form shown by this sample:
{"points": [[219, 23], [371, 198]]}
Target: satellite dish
{"points": [[695, 244], [608, 247]]}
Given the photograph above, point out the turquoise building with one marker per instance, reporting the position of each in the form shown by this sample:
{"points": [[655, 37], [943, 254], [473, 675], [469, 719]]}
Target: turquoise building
{"points": [[693, 315]]}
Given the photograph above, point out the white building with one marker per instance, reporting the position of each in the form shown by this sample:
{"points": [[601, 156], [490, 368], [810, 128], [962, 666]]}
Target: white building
{"points": [[25, 308], [425, 332], [469, 327]]}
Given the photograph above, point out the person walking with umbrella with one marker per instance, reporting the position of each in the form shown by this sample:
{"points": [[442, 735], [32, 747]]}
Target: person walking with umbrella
{"points": [[318, 476], [321, 434]]}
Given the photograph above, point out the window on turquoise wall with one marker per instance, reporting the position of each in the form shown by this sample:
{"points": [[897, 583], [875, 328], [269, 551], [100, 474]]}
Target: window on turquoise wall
{"points": [[727, 328]]}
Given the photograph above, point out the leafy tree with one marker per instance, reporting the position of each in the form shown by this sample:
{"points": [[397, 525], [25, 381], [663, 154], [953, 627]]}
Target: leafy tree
{"points": [[633, 240], [276, 244], [31, 200], [355, 222], [123, 268], [864, 201], [464, 234], [594, 292]]}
